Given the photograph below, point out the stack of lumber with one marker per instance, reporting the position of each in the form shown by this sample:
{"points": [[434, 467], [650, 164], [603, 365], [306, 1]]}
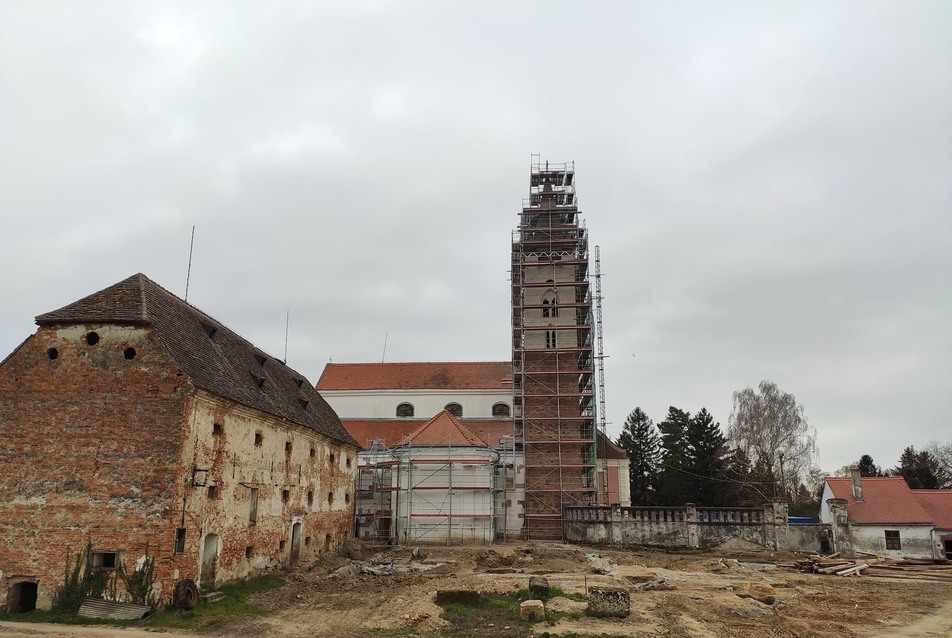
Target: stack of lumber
{"points": [[877, 566], [831, 565]]}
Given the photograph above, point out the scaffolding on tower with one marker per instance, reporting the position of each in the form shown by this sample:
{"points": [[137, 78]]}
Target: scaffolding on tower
{"points": [[552, 351]]}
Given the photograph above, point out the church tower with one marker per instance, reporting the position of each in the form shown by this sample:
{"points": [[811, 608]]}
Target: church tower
{"points": [[553, 351]]}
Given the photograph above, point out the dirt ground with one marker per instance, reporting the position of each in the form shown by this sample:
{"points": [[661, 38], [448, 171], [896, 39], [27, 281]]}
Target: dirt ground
{"points": [[717, 594], [732, 592]]}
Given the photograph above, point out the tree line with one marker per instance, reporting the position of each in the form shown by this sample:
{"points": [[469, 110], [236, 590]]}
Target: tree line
{"points": [[768, 451], [926, 469]]}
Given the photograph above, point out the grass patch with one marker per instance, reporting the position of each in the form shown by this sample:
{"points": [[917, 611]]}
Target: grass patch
{"points": [[232, 608]]}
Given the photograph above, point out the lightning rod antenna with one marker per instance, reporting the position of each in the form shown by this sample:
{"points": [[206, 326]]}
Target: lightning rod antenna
{"points": [[188, 274], [287, 326], [384, 357]]}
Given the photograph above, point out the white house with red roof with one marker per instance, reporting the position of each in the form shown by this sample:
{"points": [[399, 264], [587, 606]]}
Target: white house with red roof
{"points": [[883, 516]]}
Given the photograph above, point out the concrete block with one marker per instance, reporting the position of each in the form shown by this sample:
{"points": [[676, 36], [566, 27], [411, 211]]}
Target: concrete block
{"points": [[532, 610]]}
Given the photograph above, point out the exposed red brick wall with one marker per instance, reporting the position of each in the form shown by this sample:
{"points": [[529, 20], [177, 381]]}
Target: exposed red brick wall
{"points": [[91, 441], [103, 449]]}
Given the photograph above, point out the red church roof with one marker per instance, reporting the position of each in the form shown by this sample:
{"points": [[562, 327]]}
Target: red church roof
{"points": [[447, 375], [392, 432], [886, 500]]}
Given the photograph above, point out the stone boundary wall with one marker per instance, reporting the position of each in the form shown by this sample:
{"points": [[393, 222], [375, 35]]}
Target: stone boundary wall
{"points": [[691, 526]]}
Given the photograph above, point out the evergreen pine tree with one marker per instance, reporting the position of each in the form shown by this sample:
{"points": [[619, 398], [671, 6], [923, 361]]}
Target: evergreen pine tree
{"points": [[640, 440], [705, 452], [674, 487]]}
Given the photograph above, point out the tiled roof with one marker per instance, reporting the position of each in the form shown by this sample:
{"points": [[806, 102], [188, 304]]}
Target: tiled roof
{"points": [[213, 357], [392, 432], [938, 504], [443, 429], [447, 375], [886, 500]]}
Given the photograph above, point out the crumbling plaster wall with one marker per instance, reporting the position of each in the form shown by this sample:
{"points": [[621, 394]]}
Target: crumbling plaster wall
{"points": [[300, 476]]}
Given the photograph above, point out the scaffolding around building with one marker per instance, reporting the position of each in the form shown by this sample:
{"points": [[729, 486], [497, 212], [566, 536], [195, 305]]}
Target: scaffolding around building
{"points": [[552, 351], [431, 494]]}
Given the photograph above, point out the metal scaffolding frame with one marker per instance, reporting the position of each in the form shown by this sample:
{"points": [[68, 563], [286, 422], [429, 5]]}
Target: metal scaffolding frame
{"points": [[552, 351], [399, 488]]}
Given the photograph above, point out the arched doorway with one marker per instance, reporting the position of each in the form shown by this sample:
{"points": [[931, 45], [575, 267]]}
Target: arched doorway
{"points": [[209, 561], [295, 543]]}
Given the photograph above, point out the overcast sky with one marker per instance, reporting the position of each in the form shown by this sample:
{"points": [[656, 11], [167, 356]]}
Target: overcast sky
{"points": [[770, 184]]}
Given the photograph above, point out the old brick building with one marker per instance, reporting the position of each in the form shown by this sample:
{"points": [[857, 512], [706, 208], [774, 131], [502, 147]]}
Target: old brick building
{"points": [[135, 422]]}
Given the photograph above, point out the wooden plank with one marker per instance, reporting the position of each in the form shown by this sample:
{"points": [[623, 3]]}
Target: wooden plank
{"points": [[98, 608]]}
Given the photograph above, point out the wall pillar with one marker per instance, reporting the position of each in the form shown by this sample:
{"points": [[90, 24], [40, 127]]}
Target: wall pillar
{"points": [[781, 510], [690, 519], [842, 538]]}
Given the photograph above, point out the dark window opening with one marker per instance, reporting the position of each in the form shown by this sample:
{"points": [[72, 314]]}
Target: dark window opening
{"points": [[217, 429], [180, 540], [348, 462], [52, 353], [92, 338], [212, 492], [892, 539], [313, 452], [287, 447], [253, 509], [404, 410], [285, 495], [347, 497], [105, 560], [310, 497], [281, 545], [299, 382], [129, 354], [249, 551], [327, 540], [304, 403], [259, 438], [550, 339], [330, 498], [307, 540], [454, 408], [501, 409], [332, 458], [209, 330], [261, 360]]}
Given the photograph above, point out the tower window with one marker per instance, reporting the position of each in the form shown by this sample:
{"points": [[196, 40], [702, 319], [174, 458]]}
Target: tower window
{"points": [[550, 339], [545, 307], [404, 409], [454, 408], [501, 409]]}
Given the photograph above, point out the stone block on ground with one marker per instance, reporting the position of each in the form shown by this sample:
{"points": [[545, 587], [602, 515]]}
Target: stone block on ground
{"points": [[539, 587], [609, 601], [532, 610]]}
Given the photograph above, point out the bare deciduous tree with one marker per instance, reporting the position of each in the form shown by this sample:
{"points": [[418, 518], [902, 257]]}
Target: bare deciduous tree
{"points": [[943, 454], [772, 430]]}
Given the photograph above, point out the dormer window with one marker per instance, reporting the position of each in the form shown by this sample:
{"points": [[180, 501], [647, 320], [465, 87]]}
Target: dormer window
{"points": [[455, 409], [404, 410]]}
